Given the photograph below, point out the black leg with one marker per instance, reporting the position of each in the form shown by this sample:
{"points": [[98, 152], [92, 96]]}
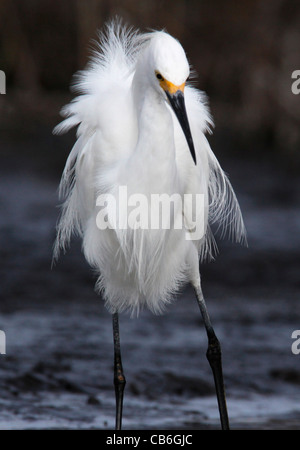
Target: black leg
{"points": [[213, 355], [119, 378]]}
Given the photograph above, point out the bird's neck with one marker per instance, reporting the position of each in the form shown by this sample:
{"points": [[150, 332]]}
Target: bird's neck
{"points": [[155, 125]]}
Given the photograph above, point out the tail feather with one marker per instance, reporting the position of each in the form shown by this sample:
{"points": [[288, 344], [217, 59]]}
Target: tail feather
{"points": [[224, 209]]}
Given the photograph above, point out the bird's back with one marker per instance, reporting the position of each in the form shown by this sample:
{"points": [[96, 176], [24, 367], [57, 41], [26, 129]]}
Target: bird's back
{"points": [[106, 130]]}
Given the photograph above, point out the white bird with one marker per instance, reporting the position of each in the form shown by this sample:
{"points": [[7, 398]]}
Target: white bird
{"points": [[142, 126]]}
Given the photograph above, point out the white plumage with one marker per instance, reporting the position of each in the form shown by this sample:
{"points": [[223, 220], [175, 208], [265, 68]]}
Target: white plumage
{"points": [[128, 135]]}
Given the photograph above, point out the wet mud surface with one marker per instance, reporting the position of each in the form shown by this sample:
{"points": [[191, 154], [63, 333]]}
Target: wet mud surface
{"points": [[58, 369]]}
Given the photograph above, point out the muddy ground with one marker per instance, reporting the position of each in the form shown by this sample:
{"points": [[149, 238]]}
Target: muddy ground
{"points": [[58, 368]]}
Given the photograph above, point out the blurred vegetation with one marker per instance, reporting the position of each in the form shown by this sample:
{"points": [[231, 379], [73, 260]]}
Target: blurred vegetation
{"points": [[244, 54]]}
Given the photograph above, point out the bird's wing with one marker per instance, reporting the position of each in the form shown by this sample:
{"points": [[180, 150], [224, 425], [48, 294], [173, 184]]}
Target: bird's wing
{"points": [[103, 113], [221, 208]]}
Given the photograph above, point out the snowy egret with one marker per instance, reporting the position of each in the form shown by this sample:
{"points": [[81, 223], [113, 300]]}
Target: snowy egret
{"points": [[141, 125]]}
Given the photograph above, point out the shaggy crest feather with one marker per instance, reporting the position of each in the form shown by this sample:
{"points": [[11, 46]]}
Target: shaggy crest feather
{"points": [[138, 267]]}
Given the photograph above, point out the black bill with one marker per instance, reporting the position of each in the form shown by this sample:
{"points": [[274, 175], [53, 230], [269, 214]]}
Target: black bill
{"points": [[177, 102]]}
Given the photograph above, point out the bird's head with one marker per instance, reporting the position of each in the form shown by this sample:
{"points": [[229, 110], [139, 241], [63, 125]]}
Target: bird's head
{"points": [[169, 70]]}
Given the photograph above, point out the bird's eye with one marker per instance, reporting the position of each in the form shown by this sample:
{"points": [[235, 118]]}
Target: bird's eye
{"points": [[159, 76]]}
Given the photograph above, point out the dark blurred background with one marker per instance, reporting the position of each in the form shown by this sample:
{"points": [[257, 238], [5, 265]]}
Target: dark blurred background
{"points": [[244, 54]]}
